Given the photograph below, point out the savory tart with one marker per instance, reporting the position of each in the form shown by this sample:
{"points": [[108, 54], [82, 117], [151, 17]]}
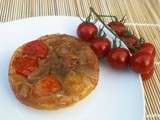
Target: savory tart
{"points": [[53, 71]]}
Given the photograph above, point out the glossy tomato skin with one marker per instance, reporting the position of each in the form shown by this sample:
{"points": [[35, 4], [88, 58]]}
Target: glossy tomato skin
{"points": [[101, 46], [148, 48], [141, 62], [35, 49], [24, 65], [87, 31], [117, 27], [148, 75], [131, 40], [118, 58]]}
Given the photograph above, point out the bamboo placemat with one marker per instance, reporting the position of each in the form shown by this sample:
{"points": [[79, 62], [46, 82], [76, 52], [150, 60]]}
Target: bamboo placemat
{"points": [[143, 12]]}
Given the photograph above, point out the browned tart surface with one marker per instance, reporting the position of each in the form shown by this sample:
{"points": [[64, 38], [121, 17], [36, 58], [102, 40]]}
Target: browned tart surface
{"points": [[53, 71]]}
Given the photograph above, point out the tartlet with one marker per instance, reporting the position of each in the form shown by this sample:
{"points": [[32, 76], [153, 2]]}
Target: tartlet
{"points": [[53, 71]]}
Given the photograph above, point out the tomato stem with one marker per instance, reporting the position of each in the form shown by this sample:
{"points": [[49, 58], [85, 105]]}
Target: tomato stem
{"points": [[111, 16], [107, 27], [123, 19], [94, 12], [142, 40], [101, 34], [114, 43], [89, 17]]}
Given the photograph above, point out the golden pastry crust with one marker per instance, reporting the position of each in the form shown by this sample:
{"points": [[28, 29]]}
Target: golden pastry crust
{"points": [[70, 60]]}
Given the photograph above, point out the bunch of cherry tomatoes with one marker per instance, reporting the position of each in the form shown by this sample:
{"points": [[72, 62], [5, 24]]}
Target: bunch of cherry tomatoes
{"points": [[139, 55]]}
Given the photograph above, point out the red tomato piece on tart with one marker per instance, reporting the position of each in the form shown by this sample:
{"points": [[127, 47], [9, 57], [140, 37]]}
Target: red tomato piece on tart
{"points": [[47, 86], [35, 49], [24, 65]]}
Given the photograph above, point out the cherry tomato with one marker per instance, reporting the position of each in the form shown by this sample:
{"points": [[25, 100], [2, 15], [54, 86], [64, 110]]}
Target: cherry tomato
{"points": [[148, 48], [118, 58], [24, 65], [101, 46], [147, 75], [35, 49], [131, 40], [87, 31], [117, 27], [47, 86], [141, 62]]}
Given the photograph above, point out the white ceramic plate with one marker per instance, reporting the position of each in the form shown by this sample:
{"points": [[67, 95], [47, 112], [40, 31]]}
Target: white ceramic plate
{"points": [[119, 94]]}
